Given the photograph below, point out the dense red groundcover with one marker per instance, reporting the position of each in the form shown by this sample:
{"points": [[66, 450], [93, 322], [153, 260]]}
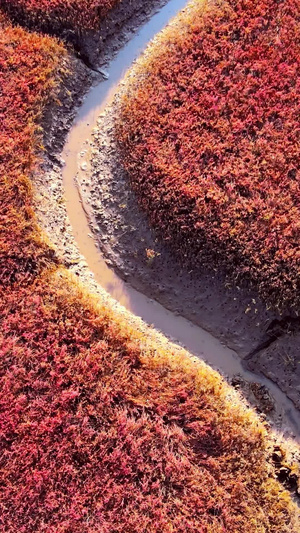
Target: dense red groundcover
{"points": [[96, 437], [59, 14], [99, 433], [211, 140]]}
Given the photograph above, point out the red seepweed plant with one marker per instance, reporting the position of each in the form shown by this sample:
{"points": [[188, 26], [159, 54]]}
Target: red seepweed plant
{"points": [[56, 15], [209, 129], [102, 428]]}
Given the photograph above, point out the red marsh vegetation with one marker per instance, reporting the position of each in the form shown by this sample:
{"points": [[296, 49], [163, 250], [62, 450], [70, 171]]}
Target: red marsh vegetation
{"points": [[59, 14], [210, 136], [101, 428]]}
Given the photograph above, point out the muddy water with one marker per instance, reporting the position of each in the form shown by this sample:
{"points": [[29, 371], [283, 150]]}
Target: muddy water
{"points": [[77, 155]]}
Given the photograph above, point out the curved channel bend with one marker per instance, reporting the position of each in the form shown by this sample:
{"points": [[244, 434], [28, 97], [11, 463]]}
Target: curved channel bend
{"points": [[198, 341]]}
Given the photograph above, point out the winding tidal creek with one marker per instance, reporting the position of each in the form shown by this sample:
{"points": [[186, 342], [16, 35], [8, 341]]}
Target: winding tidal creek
{"points": [[195, 339]]}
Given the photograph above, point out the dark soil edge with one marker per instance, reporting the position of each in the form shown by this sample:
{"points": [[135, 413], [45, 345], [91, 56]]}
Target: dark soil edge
{"points": [[115, 30]]}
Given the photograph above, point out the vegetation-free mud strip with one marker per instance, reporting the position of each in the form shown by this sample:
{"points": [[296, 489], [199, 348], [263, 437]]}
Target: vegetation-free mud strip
{"points": [[197, 340]]}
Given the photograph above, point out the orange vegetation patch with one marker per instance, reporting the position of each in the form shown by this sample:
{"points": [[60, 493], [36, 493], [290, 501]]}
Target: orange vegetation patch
{"points": [[98, 435], [30, 66], [98, 432], [53, 15], [211, 139]]}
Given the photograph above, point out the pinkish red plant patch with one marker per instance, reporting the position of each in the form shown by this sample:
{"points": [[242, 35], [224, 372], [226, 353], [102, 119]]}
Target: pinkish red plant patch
{"points": [[211, 140]]}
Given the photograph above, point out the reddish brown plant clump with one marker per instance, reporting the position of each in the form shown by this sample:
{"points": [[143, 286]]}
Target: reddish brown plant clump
{"points": [[56, 15], [211, 140], [100, 431]]}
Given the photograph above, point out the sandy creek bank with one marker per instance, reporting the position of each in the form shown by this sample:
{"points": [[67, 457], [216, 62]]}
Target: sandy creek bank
{"points": [[124, 237]]}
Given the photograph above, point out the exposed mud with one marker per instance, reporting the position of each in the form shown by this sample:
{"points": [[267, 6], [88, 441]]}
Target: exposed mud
{"points": [[117, 29], [100, 47]]}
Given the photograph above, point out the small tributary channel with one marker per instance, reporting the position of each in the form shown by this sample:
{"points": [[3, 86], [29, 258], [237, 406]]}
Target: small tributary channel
{"points": [[198, 341]]}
